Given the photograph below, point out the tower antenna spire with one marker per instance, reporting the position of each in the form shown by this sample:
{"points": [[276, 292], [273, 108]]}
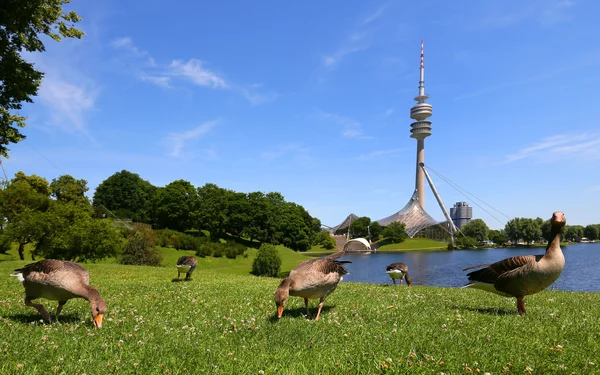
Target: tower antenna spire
{"points": [[421, 128]]}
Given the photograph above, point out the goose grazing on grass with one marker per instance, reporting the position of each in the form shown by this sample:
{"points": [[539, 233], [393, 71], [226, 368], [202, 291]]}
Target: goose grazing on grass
{"points": [[59, 280], [523, 275], [398, 270], [316, 278], [187, 265]]}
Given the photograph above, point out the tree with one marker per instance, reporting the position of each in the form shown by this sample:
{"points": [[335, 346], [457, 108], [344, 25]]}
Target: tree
{"points": [[592, 232], [22, 23], [175, 205], [37, 183], [375, 230], [497, 236], [292, 230], [25, 228], [267, 261], [477, 229], [139, 249], [512, 229], [360, 227], [531, 231], [22, 202], [573, 233], [324, 239], [66, 188], [70, 232], [126, 195], [395, 231], [214, 210]]}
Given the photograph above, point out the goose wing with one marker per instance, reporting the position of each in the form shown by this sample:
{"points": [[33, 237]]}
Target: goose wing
{"points": [[501, 269]]}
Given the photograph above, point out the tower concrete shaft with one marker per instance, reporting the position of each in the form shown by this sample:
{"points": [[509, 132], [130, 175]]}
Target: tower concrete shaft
{"points": [[421, 128]]}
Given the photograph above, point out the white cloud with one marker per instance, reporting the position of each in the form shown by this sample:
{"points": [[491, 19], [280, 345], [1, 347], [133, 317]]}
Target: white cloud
{"points": [[560, 147], [356, 42], [68, 102], [294, 152], [161, 81], [380, 153], [350, 127], [546, 13], [195, 71], [176, 142], [375, 15], [388, 112]]}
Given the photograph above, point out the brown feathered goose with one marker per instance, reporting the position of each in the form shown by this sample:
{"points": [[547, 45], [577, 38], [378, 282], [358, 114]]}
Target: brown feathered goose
{"points": [[316, 278], [398, 270], [186, 264], [523, 275], [59, 280]]}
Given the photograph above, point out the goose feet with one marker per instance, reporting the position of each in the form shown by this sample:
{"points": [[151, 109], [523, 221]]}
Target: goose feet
{"points": [[520, 306], [39, 308]]}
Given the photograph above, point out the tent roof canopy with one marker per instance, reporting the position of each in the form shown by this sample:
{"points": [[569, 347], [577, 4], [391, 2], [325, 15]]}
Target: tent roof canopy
{"points": [[357, 244]]}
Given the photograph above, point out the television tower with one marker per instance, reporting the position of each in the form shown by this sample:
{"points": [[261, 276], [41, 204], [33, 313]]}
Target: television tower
{"points": [[421, 129]]}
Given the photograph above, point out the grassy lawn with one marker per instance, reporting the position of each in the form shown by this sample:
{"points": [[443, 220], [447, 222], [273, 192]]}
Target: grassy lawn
{"points": [[421, 244], [225, 324]]}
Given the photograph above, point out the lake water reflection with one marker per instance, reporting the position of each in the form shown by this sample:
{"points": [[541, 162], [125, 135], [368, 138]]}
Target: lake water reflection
{"points": [[444, 268]]}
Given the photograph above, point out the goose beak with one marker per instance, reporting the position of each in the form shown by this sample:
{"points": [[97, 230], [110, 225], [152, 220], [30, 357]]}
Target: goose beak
{"points": [[279, 311], [98, 321]]}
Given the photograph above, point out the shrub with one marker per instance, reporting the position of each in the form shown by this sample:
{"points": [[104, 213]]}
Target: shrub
{"points": [[464, 242], [204, 250], [267, 262], [218, 250], [234, 249], [139, 249]]}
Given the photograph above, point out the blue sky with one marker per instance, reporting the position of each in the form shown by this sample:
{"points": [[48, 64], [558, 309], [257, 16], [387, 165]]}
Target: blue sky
{"points": [[312, 100]]}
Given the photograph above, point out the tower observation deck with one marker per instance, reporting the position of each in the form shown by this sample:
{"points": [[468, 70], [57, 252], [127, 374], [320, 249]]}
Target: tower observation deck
{"points": [[421, 128], [413, 214]]}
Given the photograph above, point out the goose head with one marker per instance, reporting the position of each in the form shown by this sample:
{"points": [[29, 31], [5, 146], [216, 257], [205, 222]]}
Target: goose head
{"points": [[98, 308], [281, 296], [558, 221]]}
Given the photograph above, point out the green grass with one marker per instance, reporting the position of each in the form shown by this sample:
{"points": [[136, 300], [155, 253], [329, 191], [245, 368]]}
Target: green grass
{"points": [[421, 244], [225, 324], [239, 266]]}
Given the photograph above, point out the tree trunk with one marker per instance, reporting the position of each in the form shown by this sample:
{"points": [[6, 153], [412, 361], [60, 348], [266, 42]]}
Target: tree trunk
{"points": [[22, 251]]}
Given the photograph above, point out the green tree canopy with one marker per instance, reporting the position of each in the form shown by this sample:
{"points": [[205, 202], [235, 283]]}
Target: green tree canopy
{"points": [[497, 236], [574, 232], [66, 188], [360, 227], [175, 205], [22, 23], [375, 230], [395, 232], [592, 232], [70, 232], [476, 229], [126, 195]]}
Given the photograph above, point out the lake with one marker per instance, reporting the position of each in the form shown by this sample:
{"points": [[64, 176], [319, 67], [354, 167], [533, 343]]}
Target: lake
{"points": [[444, 268]]}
